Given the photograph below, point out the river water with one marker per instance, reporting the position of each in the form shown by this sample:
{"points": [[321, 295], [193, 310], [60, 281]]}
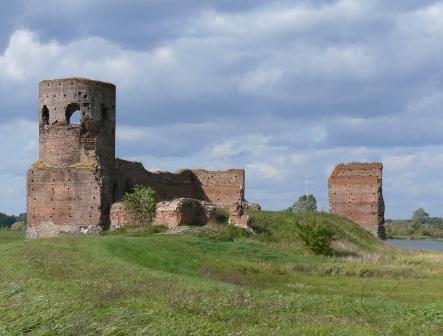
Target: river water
{"points": [[418, 244]]}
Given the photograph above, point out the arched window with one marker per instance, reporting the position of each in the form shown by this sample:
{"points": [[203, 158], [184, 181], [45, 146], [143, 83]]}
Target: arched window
{"points": [[73, 114], [45, 115]]}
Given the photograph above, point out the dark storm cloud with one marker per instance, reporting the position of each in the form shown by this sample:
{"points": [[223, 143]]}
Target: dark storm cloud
{"points": [[136, 24]]}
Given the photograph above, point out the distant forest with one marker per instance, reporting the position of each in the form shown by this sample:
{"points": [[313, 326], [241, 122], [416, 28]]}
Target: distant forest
{"points": [[6, 221]]}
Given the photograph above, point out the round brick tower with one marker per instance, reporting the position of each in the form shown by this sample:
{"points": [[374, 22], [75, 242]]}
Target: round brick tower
{"points": [[77, 121], [69, 187]]}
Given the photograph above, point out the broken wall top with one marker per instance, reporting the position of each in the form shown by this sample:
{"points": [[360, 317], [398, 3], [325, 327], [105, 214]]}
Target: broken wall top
{"points": [[358, 169], [223, 188]]}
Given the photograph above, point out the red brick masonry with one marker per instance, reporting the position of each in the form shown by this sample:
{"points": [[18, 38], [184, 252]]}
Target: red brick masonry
{"points": [[355, 192], [77, 178]]}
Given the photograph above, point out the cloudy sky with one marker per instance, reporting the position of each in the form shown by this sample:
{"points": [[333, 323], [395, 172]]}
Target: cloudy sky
{"points": [[284, 89]]}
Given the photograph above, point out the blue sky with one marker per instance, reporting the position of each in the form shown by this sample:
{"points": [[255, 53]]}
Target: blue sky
{"points": [[284, 89]]}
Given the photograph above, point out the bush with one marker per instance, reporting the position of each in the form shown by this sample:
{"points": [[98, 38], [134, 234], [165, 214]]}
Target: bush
{"points": [[18, 226], [317, 237], [140, 204], [221, 216]]}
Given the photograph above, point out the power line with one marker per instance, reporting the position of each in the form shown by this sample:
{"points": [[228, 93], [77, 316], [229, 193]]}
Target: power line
{"points": [[307, 181]]}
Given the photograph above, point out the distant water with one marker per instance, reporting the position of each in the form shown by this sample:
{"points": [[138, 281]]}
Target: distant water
{"points": [[417, 244]]}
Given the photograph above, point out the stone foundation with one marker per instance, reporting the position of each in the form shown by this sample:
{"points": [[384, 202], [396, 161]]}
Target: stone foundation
{"points": [[180, 212], [184, 211], [49, 230]]}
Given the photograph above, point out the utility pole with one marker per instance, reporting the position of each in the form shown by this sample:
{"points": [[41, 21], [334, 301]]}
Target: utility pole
{"points": [[307, 183]]}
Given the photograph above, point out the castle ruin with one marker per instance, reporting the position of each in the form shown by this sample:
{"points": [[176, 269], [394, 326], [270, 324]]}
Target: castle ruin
{"points": [[355, 192], [77, 178]]}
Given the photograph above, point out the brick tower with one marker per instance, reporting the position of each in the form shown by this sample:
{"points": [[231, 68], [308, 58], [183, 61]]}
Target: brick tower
{"points": [[70, 187]]}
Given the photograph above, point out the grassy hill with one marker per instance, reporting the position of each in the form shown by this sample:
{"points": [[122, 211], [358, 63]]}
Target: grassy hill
{"points": [[220, 282]]}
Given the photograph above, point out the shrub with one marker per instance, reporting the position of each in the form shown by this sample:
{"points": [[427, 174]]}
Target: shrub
{"points": [[317, 237], [18, 226], [221, 216], [140, 204]]}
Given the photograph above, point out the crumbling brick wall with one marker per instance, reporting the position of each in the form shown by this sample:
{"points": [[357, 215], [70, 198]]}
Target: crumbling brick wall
{"points": [[355, 192], [76, 180], [70, 187], [184, 211], [222, 188], [63, 200], [119, 216]]}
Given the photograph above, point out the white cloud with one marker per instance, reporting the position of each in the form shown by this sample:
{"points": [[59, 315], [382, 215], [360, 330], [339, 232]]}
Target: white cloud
{"points": [[249, 145], [399, 162], [260, 80], [264, 170], [18, 150], [19, 146]]}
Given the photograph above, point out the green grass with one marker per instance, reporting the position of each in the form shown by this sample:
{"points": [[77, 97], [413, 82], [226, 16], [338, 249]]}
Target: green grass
{"points": [[218, 283]]}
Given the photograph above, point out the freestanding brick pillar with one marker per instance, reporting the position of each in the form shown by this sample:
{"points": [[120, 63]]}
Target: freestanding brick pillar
{"points": [[355, 192], [70, 187]]}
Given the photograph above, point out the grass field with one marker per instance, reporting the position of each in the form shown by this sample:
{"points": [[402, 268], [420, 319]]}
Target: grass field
{"points": [[218, 283]]}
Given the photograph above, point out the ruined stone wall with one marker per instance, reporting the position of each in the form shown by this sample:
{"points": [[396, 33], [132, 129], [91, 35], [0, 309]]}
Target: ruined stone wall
{"points": [[184, 211], [222, 188], [167, 185], [355, 192], [119, 217], [70, 187], [62, 200], [76, 180]]}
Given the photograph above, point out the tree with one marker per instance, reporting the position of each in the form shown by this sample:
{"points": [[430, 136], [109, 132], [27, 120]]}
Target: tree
{"points": [[305, 203], [420, 216], [7, 221]]}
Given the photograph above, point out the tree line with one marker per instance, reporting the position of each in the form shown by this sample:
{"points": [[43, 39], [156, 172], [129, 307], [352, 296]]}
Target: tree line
{"points": [[6, 221], [421, 224]]}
